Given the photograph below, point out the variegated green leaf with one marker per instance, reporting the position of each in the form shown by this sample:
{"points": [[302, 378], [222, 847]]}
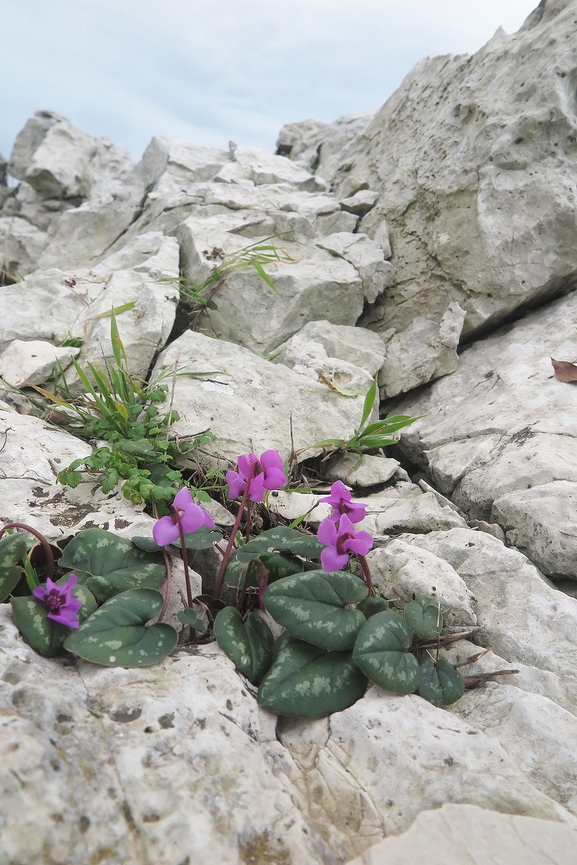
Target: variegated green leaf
{"points": [[116, 636], [307, 682], [108, 564], [12, 550], [248, 644], [381, 651], [441, 684], [315, 607]]}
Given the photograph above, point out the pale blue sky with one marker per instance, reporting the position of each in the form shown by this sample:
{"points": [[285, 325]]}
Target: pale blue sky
{"points": [[214, 70]]}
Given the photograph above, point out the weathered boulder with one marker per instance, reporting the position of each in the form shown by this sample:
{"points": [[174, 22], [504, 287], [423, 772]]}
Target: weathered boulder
{"points": [[346, 356], [467, 834], [248, 402], [33, 361], [474, 159], [318, 145], [310, 284], [498, 435]]}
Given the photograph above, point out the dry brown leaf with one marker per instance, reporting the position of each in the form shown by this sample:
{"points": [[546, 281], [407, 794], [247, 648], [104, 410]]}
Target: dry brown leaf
{"points": [[565, 370]]}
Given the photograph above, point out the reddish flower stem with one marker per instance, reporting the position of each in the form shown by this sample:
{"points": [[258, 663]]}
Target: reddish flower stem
{"points": [[229, 546], [168, 589], [367, 573], [184, 555], [45, 545]]}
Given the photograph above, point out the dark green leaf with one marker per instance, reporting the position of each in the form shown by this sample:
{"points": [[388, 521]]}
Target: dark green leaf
{"points": [[371, 606], [307, 682], [201, 539], [425, 620], [281, 538], [44, 635], [189, 617], [441, 684], [116, 636], [248, 644], [381, 651], [108, 564], [311, 606], [12, 551]]}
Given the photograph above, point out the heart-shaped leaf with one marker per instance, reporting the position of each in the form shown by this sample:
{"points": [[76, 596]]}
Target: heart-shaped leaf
{"points": [[201, 539], [45, 635], [12, 550], [381, 651], [371, 606], [424, 618], [247, 644], [441, 684], [307, 682], [312, 607], [116, 636], [281, 538], [189, 617], [108, 564]]}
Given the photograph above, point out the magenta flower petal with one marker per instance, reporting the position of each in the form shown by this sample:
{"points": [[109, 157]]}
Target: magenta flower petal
{"points": [[257, 488], [361, 543], [339, 492], [165, 531], [327, 532], [208, 520], [245, 462], [331, 560], [63, 607], [236, 484], [271, 460], [192, 518], [183, 499], [274, 479]]}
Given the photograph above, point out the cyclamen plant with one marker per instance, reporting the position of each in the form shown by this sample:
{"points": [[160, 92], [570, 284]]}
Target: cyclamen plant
{"points": [[339, 633]]}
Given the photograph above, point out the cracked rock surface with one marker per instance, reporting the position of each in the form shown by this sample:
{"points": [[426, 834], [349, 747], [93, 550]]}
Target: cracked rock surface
{"points": [[449, 210]]}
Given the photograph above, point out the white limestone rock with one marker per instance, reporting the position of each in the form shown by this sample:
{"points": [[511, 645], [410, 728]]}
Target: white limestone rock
{"points": [[474, 162], [406, 508], [52, 292], [468, 835], [361, 770], [542, 523], [318, 145], [524, 618], [33, 361], [501, 428], [311, 285], [399, 571], [538, 735], [366, 256], [21, 245], [59, 160], [165, 749], [360, 203], [145, 328], [248, 402], [263, 168], [424, 350], [362, 471], [318, 341], [171, 165]]}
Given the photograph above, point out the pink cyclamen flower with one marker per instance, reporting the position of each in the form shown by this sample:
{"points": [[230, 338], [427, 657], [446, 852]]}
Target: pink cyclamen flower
{"points": [[268, 475], [340, 541], [62, 605], [340, 499], [184, 512]]}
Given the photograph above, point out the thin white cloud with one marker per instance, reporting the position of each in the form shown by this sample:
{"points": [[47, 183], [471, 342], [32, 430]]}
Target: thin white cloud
{"points": [[211, 70]]}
